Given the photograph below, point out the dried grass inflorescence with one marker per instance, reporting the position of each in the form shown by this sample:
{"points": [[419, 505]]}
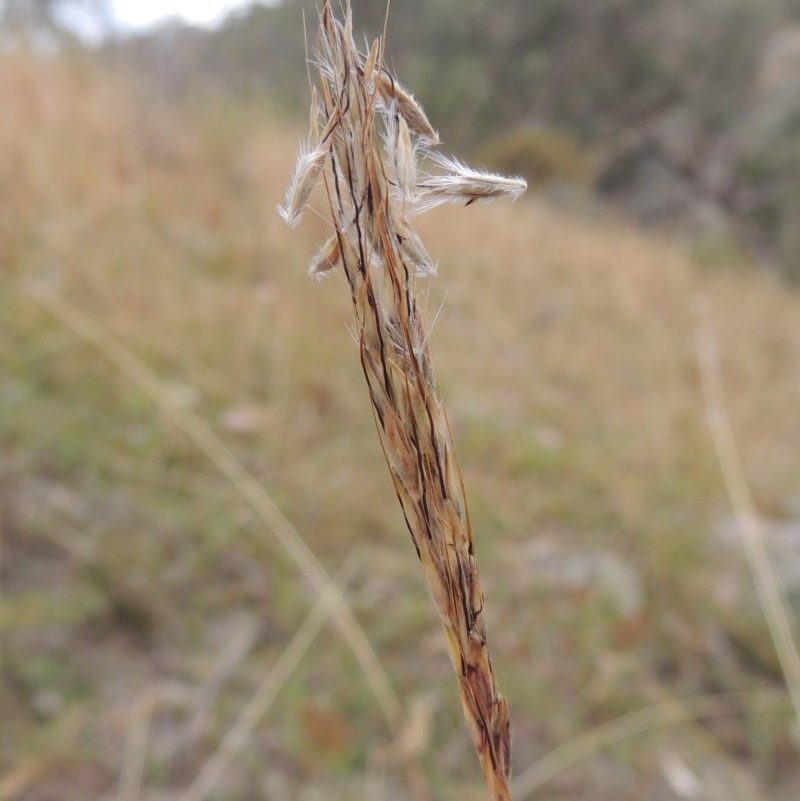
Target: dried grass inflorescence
{"points": [[367, 139]]}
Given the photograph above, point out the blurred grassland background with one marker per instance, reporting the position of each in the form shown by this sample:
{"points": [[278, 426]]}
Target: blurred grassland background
{"points": [[138, 185]]}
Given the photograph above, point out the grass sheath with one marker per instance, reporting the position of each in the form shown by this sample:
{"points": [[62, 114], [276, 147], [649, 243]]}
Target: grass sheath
{"points": [[369, 136]]}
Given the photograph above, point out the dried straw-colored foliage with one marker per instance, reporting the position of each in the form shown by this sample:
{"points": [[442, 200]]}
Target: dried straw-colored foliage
{"points": [[367, 139]]}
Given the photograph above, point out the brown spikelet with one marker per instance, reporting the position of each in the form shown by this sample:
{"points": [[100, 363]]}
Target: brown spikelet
{"points": [[414, 250], [326, 258], [371, 60], [314, 116], [392, 92], [370, 150], [401, 155]]}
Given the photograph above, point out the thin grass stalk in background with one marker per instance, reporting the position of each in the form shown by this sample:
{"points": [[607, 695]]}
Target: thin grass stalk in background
{"points": [[237, 736], [367, 137], [244, 483], [672, 712], [774, 606]]}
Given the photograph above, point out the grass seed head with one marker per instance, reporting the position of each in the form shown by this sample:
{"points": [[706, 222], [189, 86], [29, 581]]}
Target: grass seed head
{"points": [[371, 191]]}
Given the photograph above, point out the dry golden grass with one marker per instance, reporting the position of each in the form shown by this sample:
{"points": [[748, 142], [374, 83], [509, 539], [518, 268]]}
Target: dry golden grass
{"points": [[572, 387]]}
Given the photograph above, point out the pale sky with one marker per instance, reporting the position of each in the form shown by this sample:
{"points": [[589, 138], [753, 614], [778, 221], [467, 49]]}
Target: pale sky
{"points": [[143, 13]]}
